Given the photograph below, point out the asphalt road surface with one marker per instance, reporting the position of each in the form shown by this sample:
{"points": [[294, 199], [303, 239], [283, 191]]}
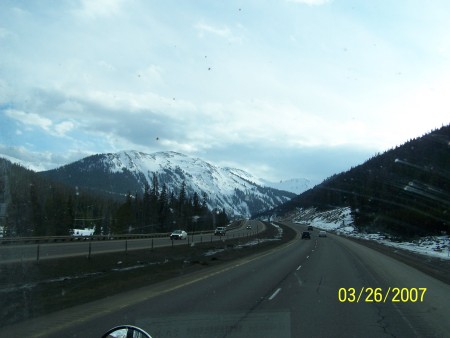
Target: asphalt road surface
{"points": [[302, 289], [33, 252]]}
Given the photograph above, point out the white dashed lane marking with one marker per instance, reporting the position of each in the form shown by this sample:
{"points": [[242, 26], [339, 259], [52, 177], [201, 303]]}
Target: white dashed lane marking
{"points": [[275, 294]]}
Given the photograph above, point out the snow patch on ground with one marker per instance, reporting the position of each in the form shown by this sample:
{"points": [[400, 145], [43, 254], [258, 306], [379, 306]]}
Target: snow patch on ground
{"points": [[329, 220], [213, 252], [434, 246], [83, 232]]}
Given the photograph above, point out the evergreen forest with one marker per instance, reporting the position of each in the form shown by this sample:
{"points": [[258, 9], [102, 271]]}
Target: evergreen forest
{"points": [[32, 205]]}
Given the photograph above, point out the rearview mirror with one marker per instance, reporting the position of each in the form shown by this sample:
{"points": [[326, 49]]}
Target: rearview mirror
{"points": [[126, 331]]}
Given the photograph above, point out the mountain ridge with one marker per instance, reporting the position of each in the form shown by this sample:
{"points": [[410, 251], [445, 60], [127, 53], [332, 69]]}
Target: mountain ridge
{"points": [[405, 191], [236, 190]]}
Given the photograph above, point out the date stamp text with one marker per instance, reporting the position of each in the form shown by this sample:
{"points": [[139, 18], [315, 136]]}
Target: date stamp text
{"points": [[380, 295]]}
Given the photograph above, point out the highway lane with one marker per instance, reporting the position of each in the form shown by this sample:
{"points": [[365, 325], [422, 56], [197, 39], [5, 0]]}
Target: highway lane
{"points": [[288, 292], [31, 252], [310, 295]]}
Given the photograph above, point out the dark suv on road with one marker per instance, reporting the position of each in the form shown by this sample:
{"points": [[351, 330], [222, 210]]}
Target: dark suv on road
{"points": [[306, 235]]}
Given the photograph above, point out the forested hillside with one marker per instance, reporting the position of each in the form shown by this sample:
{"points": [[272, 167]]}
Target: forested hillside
{"points": [[32, 205], [405, 190]]}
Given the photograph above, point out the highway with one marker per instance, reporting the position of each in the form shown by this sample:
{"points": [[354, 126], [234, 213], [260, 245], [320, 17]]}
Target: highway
{"points": [[290, 291], [11, 253]]}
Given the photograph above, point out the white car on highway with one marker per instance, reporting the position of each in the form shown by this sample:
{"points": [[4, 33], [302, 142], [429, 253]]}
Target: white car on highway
{"points": [[178, 234]]}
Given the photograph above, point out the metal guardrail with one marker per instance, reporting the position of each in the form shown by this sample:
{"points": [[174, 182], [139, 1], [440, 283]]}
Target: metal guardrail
{"points": [[37, 247], [54, 239]]}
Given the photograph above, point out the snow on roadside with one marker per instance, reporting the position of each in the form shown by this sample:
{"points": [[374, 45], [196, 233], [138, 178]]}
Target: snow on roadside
{"points": [[83, 232], [340, 221], [339, 218], [434, 246]]}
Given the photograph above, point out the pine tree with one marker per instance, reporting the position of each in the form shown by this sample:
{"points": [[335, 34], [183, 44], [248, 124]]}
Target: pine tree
{"points": [[164, 211], [181, 210], [204, 201], [146, 208], [36, 212], [196, 204], [124, 217], [154, 196]]}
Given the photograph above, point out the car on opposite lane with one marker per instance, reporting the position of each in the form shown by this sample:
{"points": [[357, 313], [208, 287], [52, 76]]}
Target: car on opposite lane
{"points": [[220, 231], [178, 234]]}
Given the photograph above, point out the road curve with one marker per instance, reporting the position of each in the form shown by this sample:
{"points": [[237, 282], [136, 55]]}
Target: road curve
{"points": [[291, 291]]}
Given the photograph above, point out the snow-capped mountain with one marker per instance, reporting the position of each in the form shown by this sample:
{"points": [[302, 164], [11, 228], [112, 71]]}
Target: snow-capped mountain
{"points": [[295, 185], [31, 165], [237, 191]]}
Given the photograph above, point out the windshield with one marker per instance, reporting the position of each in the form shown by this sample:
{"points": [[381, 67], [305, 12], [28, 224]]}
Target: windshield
{"points": [[225, 168]]}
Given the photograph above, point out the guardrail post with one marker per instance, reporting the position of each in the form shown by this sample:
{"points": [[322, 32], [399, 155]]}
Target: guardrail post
{"points": [[37, 253], [152, 244]]}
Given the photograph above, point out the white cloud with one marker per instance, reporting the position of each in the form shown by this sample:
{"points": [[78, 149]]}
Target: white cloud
{"points": [[30, 119], [416, 111], [152, 74], [35, 120], [64, 127], [223, 32], [120, 74], [133, 102], [39, 160], [70, 107], [100, 8], [105, 65]]}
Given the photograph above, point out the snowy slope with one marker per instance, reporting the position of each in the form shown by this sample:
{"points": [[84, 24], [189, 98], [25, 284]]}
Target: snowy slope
{"points": [[239, 192], [295, 185], [201, 174], [35, 166]]}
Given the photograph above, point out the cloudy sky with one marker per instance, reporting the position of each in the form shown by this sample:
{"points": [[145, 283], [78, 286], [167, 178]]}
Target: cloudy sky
{"points": [[282, 88]]}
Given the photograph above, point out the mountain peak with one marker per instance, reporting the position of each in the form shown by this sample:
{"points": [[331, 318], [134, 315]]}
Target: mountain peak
{"points": [[236, 190]]}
